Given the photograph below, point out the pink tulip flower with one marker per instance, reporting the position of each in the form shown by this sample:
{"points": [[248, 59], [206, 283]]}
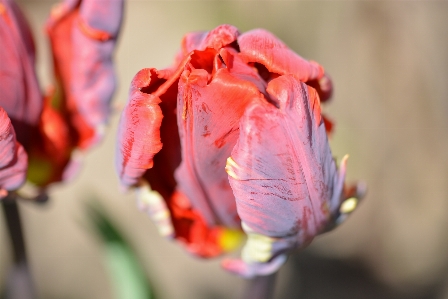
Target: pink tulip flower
{"points": [[83, 35], [72, 117], [232, 136]]}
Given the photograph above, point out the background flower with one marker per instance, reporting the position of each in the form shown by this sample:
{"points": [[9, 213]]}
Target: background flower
{"points": [[82, 35]]}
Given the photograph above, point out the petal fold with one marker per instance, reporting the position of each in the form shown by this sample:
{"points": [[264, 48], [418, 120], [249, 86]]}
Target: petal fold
{"points": [[261, 46], [208, 120], [281, 170], [138, 130]]}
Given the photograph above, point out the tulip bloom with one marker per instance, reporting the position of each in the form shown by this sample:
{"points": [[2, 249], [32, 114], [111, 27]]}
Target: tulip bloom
{"points": [[72, 117], [232, 136], [83, 36]]}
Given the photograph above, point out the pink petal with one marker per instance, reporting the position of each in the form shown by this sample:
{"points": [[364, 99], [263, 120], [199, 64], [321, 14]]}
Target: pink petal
{"points": [[208, 112], [261, 46], [13, 158], [139, 130], [19, 89], [142, 128], [217, 38], [281, 170], [83, 36], [94, 36]]}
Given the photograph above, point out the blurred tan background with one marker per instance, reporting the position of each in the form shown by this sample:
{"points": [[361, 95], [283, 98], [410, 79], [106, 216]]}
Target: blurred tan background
{"points": [[389, 63]]}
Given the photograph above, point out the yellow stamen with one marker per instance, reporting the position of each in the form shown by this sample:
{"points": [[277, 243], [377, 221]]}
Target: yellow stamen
{"points": [[349, 205], [230, 239], [230, 165]]}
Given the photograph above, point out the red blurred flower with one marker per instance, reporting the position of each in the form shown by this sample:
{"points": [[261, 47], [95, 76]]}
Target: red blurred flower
{"points": [[251, 101], [83, 35], [73, 116]]}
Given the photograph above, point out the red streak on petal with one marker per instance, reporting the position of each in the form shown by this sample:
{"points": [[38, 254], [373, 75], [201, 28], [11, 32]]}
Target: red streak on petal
{"points": [[92, 32]]}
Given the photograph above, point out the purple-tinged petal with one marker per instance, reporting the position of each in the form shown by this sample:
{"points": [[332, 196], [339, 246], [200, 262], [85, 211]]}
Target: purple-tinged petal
{"points": [[281, 170], [13, 158], [20, 93], [142, 128], [139, 130], [263, 47], [95, 38], [208, 120]]}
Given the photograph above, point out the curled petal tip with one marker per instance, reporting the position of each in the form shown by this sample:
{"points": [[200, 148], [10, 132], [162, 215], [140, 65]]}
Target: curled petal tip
{"points": [[154, 205], [251, 270], [361, 190], [352, 197]]}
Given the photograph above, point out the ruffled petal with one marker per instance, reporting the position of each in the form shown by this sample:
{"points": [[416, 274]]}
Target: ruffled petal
{"points": [[217, 38], [139, 130], [208, 118], [13, 158], [281, 170], [261, 46]]}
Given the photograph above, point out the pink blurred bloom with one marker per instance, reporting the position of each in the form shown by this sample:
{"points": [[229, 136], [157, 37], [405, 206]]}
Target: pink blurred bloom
{"points": [[72, 117], [247, 104], [83, 35], [13, 158]]}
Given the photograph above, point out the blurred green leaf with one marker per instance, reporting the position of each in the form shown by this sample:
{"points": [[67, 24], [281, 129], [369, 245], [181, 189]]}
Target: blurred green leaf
{"points": [[128, 277]]}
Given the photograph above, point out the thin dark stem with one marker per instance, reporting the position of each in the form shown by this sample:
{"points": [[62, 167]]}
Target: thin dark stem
{"points": [[19, 284], [14, 225], [261, 287]]}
